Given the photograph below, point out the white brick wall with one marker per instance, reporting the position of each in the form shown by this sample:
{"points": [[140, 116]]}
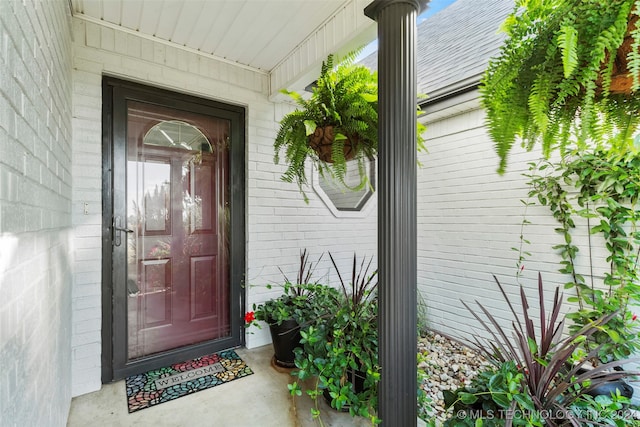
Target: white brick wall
{"points": [[278, 221], [35, 208], [469, 218]]}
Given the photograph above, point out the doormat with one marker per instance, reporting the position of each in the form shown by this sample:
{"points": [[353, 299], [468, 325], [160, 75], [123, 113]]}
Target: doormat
{"points": [[165, 384]]}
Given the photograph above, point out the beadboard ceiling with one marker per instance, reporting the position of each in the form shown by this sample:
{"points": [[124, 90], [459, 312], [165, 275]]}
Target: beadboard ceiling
{"points": [[255, 33]]}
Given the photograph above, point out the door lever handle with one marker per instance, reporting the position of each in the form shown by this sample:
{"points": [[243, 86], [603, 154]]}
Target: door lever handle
{"points": [[117, 240]]}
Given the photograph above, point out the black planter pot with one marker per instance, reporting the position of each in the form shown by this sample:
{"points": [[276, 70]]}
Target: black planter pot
{"points": [[609, 387], [285, 338], [354, 377]]}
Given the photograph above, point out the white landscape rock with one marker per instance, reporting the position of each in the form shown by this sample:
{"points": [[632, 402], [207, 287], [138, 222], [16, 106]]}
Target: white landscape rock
{"points": [[448, 365]]}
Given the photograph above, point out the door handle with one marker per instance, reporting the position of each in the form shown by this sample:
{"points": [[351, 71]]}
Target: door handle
{"points": [[117, 229]]}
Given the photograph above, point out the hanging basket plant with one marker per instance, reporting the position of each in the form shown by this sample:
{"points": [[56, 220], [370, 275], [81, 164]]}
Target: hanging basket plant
{"points": [[322, 139], [568, 72], [337, 124]]}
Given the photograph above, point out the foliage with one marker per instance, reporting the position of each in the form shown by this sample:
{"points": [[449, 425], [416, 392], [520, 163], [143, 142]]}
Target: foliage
{"points": [[303, 300], [552, 79], [341, 351], [485, 397], [539, 374], [425, 404], [345, 97], [603, 410], [602, 188]]}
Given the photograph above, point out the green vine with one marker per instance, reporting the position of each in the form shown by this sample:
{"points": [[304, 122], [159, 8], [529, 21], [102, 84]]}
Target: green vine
{"points": [[602, 186]]}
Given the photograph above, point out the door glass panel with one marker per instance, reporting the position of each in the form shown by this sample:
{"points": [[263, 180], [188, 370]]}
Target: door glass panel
{"points": [[177, 255]]}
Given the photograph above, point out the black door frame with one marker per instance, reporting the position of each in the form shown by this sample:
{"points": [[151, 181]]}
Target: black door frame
{"points": [[115, 94]]}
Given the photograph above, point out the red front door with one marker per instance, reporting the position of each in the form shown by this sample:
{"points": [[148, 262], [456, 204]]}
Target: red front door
{"points": [[177, 269], [173, 229]]}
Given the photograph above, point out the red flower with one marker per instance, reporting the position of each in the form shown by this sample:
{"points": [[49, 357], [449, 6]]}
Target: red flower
{"points": [[634, 317], [249, 317]]}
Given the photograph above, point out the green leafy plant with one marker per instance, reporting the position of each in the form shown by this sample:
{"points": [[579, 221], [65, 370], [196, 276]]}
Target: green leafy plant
{"points": [[303, 300], [603, 410], [487, 397], [568, 69], [338, 123], [426, 411], [301, 303], [341, 350], [295, 300], [602, 188], [539, 372]]}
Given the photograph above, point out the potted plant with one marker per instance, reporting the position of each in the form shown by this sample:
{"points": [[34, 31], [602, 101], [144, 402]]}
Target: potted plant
{"points": [[336, 124], [567, 70], [286, 313], [302, 301], [341, 351]]}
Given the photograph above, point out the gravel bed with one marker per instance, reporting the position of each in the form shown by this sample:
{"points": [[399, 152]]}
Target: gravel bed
{"points": [[448, 365]]}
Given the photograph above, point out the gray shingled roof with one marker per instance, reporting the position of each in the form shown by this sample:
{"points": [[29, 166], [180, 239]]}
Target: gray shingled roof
{"points": [[455, 44]]}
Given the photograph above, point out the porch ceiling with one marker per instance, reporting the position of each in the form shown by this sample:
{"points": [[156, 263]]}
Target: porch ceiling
{"points": [[260, 34]]}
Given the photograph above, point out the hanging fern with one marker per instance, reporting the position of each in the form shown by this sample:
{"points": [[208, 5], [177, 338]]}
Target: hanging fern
{"points": [[346, 97], [554, 78]]}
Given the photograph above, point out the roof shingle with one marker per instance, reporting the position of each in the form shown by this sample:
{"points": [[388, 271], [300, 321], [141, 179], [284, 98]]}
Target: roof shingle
{"points": [[455, 44]]}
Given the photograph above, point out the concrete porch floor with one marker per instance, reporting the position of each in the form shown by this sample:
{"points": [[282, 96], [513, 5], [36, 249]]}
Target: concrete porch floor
{"points": [[261, 399]]}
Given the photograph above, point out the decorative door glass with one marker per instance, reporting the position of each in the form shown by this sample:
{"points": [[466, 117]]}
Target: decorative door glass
{"points": [[177, 228]]}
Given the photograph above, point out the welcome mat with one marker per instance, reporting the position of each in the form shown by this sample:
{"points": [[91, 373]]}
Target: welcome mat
{"points": [[165, 384]]}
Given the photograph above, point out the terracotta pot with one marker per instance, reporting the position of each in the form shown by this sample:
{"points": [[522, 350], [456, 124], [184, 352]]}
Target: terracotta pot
{"points": [[322, 140]]}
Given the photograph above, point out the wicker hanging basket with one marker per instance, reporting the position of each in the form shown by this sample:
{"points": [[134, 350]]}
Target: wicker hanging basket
{"points": [[321, 142]]}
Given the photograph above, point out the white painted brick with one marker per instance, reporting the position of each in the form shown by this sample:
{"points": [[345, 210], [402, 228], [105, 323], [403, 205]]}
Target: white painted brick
{"points": [[87, 266], [87, 325], [86, 351], [87, 363], [87, 281], [106, 39], [88, 231], [87, 383], [468, 220], [279, 236], [34, 197]]}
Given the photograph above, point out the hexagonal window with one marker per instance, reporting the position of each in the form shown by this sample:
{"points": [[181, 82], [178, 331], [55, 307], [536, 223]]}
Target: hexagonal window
{"points": [[343, 201]]}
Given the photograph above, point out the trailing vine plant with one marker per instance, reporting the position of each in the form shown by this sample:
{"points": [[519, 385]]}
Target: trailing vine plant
{"points": [[603, 188], [567, 68]]}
